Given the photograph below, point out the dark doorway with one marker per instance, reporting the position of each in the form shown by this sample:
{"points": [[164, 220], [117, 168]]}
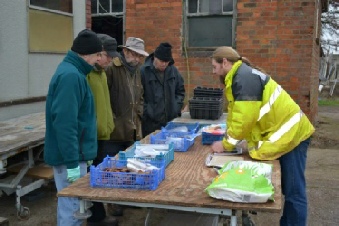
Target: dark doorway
{"points": [[109, 25]]}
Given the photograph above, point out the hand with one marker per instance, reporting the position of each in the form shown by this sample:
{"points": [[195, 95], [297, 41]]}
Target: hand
{"points": [[243, 145], [217, 147], [89, 163], [73, 174]]}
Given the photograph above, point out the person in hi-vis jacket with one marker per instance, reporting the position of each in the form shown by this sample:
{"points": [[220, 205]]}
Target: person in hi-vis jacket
{"points": [[262, 113]]}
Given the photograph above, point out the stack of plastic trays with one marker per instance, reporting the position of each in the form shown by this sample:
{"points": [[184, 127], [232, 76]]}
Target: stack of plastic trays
{"points": [[207, 103]]}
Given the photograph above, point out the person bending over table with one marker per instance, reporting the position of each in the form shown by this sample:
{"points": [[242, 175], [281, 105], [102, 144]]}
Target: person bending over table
{"points": [[262, 113]]}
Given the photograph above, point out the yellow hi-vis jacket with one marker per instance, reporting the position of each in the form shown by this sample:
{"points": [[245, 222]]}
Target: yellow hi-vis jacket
{"points": [[263, 114]]}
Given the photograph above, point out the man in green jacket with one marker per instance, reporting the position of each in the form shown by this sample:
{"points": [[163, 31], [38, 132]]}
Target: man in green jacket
{"points": [[71, 133], [97, 80]]}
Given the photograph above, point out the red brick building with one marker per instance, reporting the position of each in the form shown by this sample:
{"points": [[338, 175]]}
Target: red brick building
{"points": [[282, 37]]}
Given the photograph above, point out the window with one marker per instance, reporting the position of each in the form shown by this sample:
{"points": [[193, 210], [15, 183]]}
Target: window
{"points": [[107, 7], [210, 23], [50, 26], [58, 5], [108, 17]]}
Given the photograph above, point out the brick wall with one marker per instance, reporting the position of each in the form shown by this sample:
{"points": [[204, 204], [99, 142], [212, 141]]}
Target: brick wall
{"points": [[88, 14], [278, 36]]}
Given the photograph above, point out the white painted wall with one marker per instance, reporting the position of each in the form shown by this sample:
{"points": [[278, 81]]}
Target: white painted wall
{"points": [[79, 16], [41, 68], [20, 110], [13, 50], [24, 74]]}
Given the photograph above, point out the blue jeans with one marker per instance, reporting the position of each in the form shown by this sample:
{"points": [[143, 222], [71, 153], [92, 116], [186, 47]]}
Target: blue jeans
{"points": [[293, 185], [67, 206]]}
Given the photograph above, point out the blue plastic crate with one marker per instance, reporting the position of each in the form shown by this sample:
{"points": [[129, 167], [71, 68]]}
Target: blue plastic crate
{"points": [[181, 143], [169, 129], [168, 156], [209, 138], [100, 177]]}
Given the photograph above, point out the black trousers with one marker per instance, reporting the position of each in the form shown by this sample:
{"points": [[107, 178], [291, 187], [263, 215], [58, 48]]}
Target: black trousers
{"points": [[110, 148]]}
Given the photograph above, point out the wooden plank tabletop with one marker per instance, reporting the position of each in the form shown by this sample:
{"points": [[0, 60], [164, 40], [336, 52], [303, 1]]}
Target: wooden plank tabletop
{"points": [[186, 178], [19, 133]]}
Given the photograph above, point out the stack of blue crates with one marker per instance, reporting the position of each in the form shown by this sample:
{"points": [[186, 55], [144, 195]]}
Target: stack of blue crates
{"points": [[182, 140]]}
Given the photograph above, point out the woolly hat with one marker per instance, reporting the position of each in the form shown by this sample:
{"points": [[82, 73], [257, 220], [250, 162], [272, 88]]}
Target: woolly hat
{"points": [[226, 52], [109, 44], [164, 52], [86, 43]]}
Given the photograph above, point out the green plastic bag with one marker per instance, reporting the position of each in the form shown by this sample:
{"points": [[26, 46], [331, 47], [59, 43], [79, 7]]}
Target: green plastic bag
{"points": [[240, 184], [259, 168]]}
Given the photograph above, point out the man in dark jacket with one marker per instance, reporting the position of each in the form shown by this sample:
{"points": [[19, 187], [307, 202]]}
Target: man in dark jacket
{"points": [[164, 90]]}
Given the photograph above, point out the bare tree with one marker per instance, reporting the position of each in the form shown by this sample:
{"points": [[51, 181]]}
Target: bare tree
{"points": [[330, 27]]}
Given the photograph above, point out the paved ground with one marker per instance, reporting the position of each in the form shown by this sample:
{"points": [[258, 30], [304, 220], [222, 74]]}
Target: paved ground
{"points": [[322, 187]]}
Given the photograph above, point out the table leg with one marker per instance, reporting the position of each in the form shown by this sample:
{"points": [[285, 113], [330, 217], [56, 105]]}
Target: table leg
{"points": [[234, 218], [148, 216], [83, 212]]}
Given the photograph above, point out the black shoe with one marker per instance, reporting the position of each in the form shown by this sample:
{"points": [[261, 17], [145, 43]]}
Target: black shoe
{"points": [[115, 210], [108, 221]]}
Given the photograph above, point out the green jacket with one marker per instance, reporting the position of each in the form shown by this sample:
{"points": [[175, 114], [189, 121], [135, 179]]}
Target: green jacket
{"points": [[71, 133], [126, 93], [97, 80], [261, 112]]}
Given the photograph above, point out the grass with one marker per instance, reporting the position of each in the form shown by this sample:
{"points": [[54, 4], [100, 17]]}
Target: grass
{"points": [[328, 102]]}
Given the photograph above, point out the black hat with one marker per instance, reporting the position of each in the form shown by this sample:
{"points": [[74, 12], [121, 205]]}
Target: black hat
{"points": [[164, 52], [109, 45], [86, 43]]}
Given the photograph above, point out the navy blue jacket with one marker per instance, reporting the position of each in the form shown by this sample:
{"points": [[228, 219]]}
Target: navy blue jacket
{"points": [[162, 101]]}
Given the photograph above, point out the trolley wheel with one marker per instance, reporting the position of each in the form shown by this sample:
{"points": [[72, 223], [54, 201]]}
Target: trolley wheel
{"points": [[23, 213], [82, 216]]}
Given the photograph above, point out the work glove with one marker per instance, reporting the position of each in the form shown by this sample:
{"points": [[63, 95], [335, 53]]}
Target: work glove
{"points": [[73, 174], [89, 163]]}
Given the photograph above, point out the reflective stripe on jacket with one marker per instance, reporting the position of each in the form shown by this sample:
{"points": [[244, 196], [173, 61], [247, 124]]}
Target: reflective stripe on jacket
{"points": [[263, 113]]}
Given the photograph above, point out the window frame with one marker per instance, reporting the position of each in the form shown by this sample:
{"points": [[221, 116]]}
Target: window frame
{"points": [[49, 10], [43, 43], [188, 15], [108, 13]]}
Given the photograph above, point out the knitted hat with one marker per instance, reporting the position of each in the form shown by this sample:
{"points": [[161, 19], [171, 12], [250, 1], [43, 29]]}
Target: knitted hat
{"points": [[86, 43], [226, 52], [164, 52], [109, 45]]}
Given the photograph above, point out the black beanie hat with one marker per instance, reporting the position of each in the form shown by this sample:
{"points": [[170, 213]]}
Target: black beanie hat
{"points": [[164, 52], [86, 43]]}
